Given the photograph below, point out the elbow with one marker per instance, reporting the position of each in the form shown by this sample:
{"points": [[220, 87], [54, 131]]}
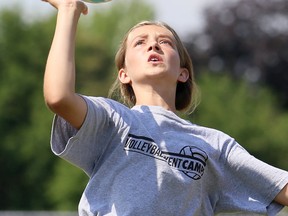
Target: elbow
{"points": [[56, 103], [53, 105]]}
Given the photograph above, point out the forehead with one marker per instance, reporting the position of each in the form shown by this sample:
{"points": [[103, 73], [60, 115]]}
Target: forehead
{"points": [[147, 30]]}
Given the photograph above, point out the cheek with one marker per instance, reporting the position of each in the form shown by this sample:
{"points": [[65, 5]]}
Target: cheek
{"points": [[131, 60], [175, 60], [130, 65]]}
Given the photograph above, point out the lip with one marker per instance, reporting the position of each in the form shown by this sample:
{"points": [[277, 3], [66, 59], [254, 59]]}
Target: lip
{"points": [[155, 56]]}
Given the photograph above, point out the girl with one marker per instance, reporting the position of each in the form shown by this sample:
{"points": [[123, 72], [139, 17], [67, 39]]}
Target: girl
{"points": [[146, 160]]}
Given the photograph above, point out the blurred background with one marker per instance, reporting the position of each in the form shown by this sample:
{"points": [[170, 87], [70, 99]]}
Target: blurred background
{"points": [[240, 55]]}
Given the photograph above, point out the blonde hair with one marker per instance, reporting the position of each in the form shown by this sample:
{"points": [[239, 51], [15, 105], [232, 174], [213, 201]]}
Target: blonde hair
{"points": [[186, 93]]}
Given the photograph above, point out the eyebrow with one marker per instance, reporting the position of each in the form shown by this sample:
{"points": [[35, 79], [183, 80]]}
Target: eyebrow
{"points": [[145, 36], [140, 36]]}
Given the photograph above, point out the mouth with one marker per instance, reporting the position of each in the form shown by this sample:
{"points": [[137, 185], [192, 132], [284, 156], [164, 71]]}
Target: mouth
{"points": [[155, 58]]}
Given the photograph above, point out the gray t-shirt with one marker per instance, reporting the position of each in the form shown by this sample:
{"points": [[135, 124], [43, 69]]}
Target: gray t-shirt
{"points": [[148, 161]]}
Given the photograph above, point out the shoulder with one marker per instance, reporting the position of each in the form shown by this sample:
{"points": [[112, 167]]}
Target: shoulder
{"points": [[211, 133], [216, 139], [105, 109], [103, 103]]}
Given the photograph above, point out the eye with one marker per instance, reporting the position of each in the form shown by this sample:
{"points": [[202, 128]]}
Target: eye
{"points": [[139, 42], [166, 41]]}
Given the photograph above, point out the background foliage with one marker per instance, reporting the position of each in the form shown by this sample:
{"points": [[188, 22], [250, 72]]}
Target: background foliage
{"points": [[250, 109], [247, 39], [32, 178]]}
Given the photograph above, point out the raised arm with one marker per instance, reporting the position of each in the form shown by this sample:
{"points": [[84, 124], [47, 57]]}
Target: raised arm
{"points": [[59, 78]]}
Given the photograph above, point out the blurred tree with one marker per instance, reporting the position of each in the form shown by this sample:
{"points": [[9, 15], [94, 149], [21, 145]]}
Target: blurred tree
{"points": [[246, 113], [248, 39], [24, 154], [31, 177]]}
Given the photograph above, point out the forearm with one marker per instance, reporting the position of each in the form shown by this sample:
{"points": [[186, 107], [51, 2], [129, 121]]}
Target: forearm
{"points": [[59, 79]]}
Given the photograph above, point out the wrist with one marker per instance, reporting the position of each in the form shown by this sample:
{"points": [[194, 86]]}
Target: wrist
{"points": [[71, 8]]}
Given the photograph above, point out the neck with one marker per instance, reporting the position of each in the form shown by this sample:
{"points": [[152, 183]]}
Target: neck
{"points": [[156, 96]]}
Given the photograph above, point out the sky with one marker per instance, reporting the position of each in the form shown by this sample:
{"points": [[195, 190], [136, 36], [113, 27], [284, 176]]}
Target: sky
{"points": [[185, 16]]}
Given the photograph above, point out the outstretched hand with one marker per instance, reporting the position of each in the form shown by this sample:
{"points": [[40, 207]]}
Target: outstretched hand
{"points": [[80, 6]]}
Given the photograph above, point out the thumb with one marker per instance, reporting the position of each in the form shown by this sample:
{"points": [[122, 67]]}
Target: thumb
{"points": [[82, 7], [85, 10]]}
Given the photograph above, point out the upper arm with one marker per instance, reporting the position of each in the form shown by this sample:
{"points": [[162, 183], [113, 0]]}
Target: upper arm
{"points": [[73, 109], [282, 196]]}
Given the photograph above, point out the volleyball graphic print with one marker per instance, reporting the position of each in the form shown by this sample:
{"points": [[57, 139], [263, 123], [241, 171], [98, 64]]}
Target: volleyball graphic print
{"points": [[197, 162]]}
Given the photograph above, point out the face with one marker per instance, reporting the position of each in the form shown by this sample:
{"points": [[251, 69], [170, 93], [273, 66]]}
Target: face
{"points": [[152, 54]]}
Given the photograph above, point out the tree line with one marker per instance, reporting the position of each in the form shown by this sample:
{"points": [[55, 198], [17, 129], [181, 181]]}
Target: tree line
{"points": [[248, 109]]}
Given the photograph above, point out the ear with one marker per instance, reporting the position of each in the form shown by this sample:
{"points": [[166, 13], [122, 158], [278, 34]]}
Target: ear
{"points": [[184, 75], [123, 76]]}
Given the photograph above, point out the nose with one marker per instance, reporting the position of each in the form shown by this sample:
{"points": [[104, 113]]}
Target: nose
{"points": [[154, 46]]}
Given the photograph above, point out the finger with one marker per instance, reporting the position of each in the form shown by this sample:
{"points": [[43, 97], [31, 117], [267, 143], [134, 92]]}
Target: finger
{"points": [[85, 10], [82, 7]]}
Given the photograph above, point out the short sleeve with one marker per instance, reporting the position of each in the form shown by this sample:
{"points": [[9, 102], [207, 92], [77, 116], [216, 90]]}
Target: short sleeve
{"points": [[249, 184], [83, 147]]}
